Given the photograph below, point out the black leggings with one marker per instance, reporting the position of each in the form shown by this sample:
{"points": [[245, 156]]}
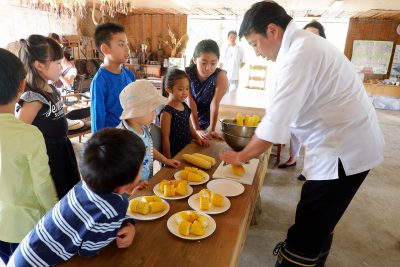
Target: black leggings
{"points": [[320, 208]]}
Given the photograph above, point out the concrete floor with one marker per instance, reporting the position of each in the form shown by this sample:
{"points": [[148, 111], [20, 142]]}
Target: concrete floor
{"points": [[368, 234]]}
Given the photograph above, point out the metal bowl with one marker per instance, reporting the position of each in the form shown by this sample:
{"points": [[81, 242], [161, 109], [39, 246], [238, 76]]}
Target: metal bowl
{"points": [[237, 143], [229, 126]]}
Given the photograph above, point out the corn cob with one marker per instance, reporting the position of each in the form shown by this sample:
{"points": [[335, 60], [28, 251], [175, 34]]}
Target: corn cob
{"points": [[197, 229], [247, 120], [181, 188], [204, 202], [151, 198], [194, 177], [217, 200], [184, 228], [238, 170], [157, 206], [183, 175], [239, 119], [256, 120], [137, 206], [169, 190], [199, 162], [208, 158]]}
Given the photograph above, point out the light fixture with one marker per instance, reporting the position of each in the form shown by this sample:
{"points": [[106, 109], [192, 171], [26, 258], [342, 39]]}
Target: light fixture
{"points": [[335, 5], [183, 3], [70, 7]]}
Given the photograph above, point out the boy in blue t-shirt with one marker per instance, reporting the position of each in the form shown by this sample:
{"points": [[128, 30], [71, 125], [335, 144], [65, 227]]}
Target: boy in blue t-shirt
{"points": [[93, 213], [111, 77]]}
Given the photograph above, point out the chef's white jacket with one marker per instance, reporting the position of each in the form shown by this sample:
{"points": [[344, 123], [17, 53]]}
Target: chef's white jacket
{"points": [[316, 94], [232, 58]]}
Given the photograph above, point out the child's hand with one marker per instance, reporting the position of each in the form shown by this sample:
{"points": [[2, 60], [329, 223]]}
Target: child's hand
{"points": [[216, 135], [172, 163], [204, 134], [202, 142], [141, 185], [125, 235]]}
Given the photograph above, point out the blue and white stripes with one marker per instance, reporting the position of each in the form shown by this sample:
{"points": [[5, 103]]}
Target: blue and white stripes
{"points": [[82, 222]]}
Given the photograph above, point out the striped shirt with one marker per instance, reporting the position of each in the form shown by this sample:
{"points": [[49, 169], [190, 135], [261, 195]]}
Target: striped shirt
{"points": [[82, 222]]}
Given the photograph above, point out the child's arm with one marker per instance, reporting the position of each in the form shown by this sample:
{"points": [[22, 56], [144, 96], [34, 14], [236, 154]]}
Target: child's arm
{"points": [[201, 141], [165, 132], [169, 162], [221, 87], [97, 107], [125, 235], [194, 117], [29, 111], [43, 185]]}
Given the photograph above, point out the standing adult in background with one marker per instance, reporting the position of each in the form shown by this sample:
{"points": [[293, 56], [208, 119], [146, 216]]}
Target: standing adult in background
{"points": [[208, 84], [232, 60], [295, 145], [317, 95]]}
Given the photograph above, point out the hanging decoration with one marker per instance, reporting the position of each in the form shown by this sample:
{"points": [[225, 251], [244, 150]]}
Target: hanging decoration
{"points": [[70, 7]]}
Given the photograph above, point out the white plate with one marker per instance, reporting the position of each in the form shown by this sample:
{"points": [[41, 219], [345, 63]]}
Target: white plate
{"points": [[194, 203], [173, 228], [150, 216], [225, 187], [157, 191], [205, 180]]}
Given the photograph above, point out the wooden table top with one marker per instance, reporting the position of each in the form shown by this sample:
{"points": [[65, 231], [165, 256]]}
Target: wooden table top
{"points": [[251, 99], [154, 245]]}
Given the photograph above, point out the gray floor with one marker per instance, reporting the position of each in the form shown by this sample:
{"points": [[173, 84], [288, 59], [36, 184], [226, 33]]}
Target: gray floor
{"points": [[368, 233]]}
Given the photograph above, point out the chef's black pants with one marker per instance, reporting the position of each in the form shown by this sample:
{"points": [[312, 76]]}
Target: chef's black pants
{"points": [[320, 208]]}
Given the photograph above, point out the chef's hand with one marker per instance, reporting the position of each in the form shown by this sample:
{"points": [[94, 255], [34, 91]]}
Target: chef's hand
{"points": [[125, 235], [230, 157]]}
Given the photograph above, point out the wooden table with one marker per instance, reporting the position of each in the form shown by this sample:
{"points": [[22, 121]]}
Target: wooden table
{"points": [[154, 245]]}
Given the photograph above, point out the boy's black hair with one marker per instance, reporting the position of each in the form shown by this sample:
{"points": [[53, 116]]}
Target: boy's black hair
{"points": [[232, 32], [317, 25], [104, 32], [111, 158], [205, 46], [12, 71], [260, 15], [170, 78]]}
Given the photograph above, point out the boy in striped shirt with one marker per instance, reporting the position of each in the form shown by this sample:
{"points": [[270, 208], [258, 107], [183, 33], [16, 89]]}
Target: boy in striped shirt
{"points": [[93, 213]]}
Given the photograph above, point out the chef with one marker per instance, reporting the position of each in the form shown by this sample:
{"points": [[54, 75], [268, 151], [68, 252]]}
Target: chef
{"points": [[316, 95]]}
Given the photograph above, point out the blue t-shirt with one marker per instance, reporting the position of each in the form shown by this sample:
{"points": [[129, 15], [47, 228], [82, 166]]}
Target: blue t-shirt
{"points": [[105, 88]]}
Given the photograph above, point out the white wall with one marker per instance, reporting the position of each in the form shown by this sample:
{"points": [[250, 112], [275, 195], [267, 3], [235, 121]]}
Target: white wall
{"points": [[200, 28], [17, 22]]}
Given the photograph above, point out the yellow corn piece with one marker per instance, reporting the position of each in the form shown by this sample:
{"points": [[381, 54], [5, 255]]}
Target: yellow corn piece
{"points": [[157, 206], [181, 188], [204, 191], [197, 229], [202, 173], [153, 198], [184, 228], [162, 183], [208, 158], [256, 120], [239, 119], [203, 220], [238, 170], [137, 206], [169, 190], [204, 202], [199, 162], [194, 177], [182, 216], [247, 120], [217, 200], [193, 215], [183, 175]]}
